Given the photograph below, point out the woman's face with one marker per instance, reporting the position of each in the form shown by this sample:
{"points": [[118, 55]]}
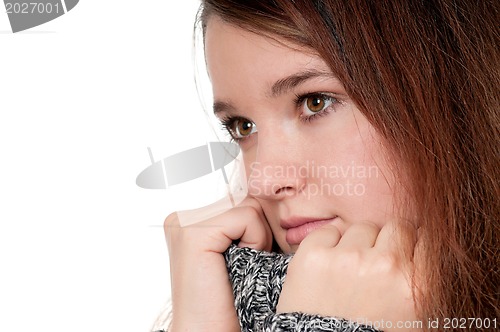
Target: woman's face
{"points": [[311, 157]]}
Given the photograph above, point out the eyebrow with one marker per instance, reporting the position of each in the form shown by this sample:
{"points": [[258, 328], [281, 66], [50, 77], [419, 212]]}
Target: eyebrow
{"points": [[222, 106], [280, 87], [288, 83]]}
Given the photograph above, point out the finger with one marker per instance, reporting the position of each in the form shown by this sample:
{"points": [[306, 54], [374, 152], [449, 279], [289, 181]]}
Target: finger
{"points": [[246, 224], [327, 236], [257, 235], [194, 216], [361, 235], [249, 201], [386, 239], [170, 224], [252, 202], [247, 239]]}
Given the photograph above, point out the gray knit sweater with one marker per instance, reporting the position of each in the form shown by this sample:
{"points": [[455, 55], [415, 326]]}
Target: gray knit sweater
{"points": [[257, 278]]}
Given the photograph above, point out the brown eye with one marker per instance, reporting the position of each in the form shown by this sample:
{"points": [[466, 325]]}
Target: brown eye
{"points": [[239, 127], [244, 128], [315, 103]]}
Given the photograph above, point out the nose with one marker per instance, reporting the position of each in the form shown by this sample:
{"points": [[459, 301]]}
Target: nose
{"points": [[277, 170]]}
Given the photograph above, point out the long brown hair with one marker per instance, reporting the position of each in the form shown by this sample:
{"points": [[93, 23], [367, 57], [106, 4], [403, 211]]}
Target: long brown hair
{"points": [[426, 75]]}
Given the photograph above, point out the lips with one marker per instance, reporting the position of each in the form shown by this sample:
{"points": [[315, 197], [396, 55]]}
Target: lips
{"points": [[298, 228]]}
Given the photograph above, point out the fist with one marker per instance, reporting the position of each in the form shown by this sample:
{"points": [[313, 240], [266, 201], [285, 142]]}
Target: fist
{"points": [[357, 276]]}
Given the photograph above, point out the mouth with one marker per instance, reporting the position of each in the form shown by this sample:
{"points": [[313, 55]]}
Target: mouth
{"points": [[298, 228]]}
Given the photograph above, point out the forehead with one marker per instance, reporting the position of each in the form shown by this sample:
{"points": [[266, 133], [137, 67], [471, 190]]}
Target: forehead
{"points": [[239, 58]]}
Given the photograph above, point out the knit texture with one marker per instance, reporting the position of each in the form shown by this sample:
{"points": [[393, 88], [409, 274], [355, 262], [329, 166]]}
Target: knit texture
{"points": [[257, 278]]}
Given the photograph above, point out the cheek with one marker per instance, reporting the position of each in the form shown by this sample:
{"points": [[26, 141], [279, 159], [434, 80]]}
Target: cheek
{"points": [[279, 233], [352, 154], [375, 171], [372, 185], [361, 180], [363, 151], [248, 156]]}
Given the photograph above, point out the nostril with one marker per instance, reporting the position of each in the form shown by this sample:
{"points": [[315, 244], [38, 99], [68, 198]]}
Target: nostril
{"points": [[283, 190], [275, 181]]}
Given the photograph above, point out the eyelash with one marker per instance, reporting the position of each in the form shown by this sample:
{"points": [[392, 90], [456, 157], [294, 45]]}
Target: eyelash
{"points": [[228, 122], [300, 100]]}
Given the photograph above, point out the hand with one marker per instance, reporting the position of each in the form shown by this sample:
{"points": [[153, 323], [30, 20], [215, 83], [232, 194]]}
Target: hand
{"points": [[202, 296], [356, 276]]}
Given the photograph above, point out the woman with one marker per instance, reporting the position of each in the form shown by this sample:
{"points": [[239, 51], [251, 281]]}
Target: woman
{"points": [[370, 138]]}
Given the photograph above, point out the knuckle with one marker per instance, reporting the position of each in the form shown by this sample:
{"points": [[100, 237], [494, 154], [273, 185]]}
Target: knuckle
{"points": [[249, 212], [171, 222], [312, 258], [387, 262], [327, 236], [349, 259], [364, 227], [249, 201]]}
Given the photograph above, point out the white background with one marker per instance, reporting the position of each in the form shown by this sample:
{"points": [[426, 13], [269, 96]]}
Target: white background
{"points": [[81, 99]]}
